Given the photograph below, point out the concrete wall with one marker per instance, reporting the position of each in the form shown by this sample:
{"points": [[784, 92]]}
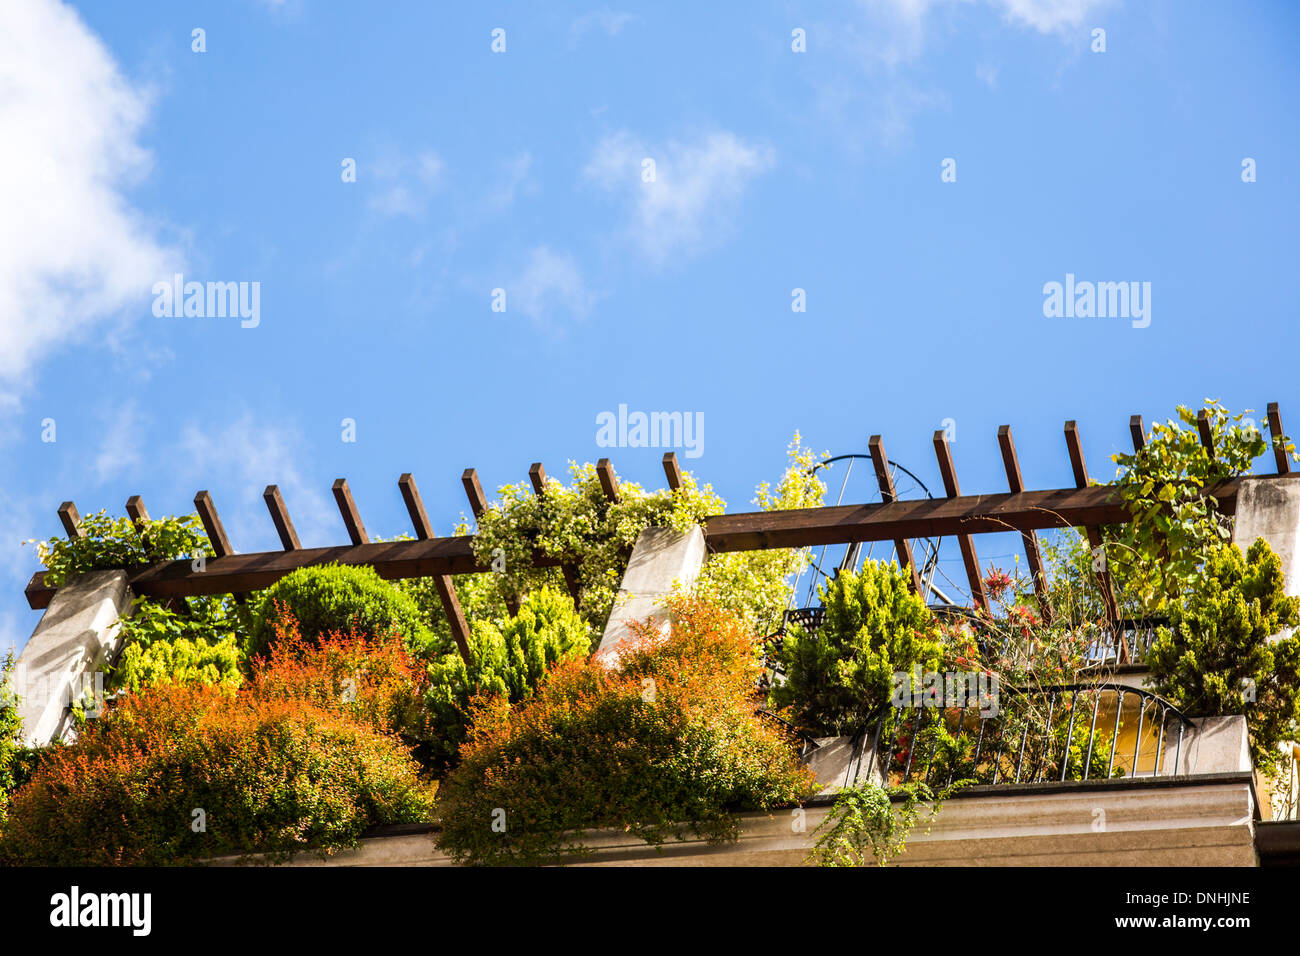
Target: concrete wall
{"points": [[77, 636], [661, 558], [1269, 508]]}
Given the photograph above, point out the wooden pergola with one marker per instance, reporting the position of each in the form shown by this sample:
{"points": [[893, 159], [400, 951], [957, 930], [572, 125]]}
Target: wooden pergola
{"points": [[1090, 507]]}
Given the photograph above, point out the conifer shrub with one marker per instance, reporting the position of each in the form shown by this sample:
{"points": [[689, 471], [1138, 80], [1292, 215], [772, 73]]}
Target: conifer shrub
{"points": [[665, 740], [336, 598]]}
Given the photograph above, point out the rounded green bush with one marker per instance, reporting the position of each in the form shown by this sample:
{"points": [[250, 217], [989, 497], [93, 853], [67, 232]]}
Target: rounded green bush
{"points": [[338, 598]]}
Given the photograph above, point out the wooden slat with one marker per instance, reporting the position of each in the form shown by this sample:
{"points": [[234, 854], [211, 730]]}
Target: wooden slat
{"points": [[415, 507], [1274, 433], [348, 509], [1203, 426], [1030, 540], [474, 491], [608, 480], [442, 582], [1138, 431], [1093, 530], [949, 472], [887, 494], [70, 518], [280, 518], [136, 511], [213, 526], [537, 475], [743, 531], [672, 471]]}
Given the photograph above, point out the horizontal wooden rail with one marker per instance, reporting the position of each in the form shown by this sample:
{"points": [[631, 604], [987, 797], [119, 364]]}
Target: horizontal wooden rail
{"points": [[750, 531]]}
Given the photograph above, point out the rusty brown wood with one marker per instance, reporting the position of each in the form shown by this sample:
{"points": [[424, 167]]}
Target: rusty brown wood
{"points": [[1075, 446], [537, 475], [672, 471], [1275, 435], [608, 480], [280, 518], [348, 509], [964, 541], [1030, 540], [885, 481], [441, 582], [474, 491], [70, 518]]}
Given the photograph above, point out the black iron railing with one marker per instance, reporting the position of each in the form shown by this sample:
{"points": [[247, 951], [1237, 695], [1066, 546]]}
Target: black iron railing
{"points": [[1064, 732]]}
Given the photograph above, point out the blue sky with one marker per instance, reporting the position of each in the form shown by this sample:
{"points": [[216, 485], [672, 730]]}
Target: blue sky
{"points": [[131, 157]]}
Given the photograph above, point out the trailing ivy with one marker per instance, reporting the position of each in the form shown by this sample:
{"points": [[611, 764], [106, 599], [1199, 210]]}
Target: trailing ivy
{"points": [[107, 542]]}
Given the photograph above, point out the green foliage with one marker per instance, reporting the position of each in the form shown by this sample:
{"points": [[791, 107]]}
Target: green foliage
{"points": [[665, 745], [11, 726], [179, 661], [1167, 487], [873, 627], [578, 524], [268, 775], [756, 584], [109, 542], [865, 826], [509, 660], [1216, 655], [337, 598]]}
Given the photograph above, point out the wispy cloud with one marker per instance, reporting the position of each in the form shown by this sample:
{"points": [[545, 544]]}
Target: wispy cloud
{"points": [[549, 286], [403, 185], [245, 456], [74, 253], [693, 194], [514, 178], [119, 448], [610, 22]]}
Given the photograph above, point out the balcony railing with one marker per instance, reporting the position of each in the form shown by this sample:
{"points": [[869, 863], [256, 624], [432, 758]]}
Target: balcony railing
{"points": [[1048, 734]]}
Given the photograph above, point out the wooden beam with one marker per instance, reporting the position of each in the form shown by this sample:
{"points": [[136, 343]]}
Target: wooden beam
{"points": [[442, 582], [744, 531], [537, 475], [1203, 426], [1080, 467], [946, 468], [212, 525], [415, 507], [280, 518], [1275, 435], [474, 491], [70, 518], [672, 471], [348, 509], [1138, 431], [137, 512], [887, 494], [608, 480], [1030, 540]]}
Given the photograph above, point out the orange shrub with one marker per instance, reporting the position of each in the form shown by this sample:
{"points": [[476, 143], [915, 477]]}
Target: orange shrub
{"points": [[180, 773], [669, 737]]}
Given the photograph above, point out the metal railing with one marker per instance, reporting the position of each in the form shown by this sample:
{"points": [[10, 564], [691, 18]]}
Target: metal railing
{"points": [[1031, 739]]}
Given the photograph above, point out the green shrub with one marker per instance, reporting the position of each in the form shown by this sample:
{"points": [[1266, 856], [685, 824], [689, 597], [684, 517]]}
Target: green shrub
{"points": [[1216, 657], [185, 662], [181, 773], [11, 726], [509, 660], [108, 542], [873, 627], [669, 739], [337, 598]]}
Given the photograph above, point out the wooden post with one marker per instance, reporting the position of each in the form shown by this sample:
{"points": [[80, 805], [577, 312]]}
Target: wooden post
{"points": [[672, 471], [1030, 539], [348, 509], [953, 490], [280, 518], [1080, 468], [442, 582], [608, 480], [1275, 435], [887, 494], [71, 520], [537, 475]]}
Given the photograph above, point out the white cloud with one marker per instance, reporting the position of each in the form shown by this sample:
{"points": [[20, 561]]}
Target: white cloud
{"points": [[695, 191], [514, 177], [1050, 16], [610, 21], [245, 456], [549, 283], [73, 252], [405, 184]]}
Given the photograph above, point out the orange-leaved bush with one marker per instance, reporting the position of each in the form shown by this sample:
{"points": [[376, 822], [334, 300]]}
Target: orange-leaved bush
{"points": [[372, 679], [176, 774], [665, 740]]}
